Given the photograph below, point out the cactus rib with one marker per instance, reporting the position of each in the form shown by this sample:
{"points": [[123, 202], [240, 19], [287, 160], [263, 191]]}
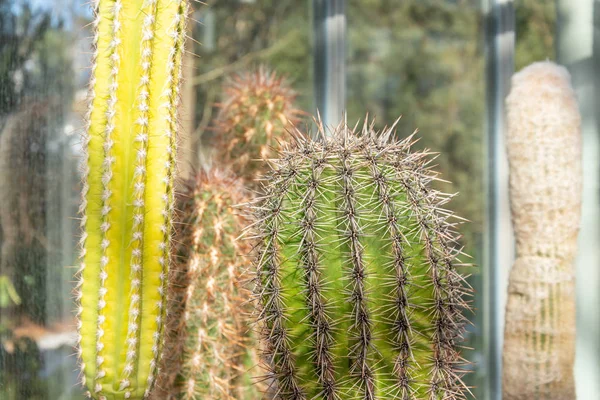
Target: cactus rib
{"points": [[128, 194], [357, 286]]}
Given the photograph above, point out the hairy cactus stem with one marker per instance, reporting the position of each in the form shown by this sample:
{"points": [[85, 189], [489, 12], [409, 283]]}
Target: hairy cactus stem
{"points": [[127, 196], [256, 112], [210, 327]]}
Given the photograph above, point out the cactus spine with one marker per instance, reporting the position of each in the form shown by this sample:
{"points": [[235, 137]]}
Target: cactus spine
{"points": [[212, 329], [357, 286], [544, 152], [128, 194], [257, 110]]}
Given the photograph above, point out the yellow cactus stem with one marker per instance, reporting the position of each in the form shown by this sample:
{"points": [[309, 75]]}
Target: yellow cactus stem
{"points": [[127, 197], [257, 109]]}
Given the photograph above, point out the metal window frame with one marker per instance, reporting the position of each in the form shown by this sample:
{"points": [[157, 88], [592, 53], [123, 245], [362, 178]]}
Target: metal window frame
{"points": [[329, 18], [499, 243]]}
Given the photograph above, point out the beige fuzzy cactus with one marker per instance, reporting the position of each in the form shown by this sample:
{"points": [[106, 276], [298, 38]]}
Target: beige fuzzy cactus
{"points": [[544, 152]]}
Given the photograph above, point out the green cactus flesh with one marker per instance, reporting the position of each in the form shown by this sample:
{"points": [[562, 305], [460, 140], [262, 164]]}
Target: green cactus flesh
{"points": [[356, 273], [128, 194]]}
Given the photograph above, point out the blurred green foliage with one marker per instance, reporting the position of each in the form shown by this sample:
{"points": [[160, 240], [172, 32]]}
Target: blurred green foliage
{"points": [[535, 27]]}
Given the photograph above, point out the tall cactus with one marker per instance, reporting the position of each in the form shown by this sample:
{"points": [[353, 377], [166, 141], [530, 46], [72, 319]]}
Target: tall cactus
{"points": [[256, 112], [357, 286], [544, 152], [128, 194], [210, 338]]}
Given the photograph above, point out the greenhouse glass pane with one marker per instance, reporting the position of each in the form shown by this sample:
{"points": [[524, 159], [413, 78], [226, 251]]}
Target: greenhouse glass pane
{"points": [[44, 59]]}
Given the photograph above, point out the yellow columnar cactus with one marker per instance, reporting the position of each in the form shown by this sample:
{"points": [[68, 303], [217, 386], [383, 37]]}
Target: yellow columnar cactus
{"points": [[544, 152], [127, 202]]}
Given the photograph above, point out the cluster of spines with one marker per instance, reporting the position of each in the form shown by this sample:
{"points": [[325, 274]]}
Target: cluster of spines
{"points": [[104, 114], [449, 287], [177, 32], [390, 167], [257, 109], [401, 309], [317, 310], [277, 354]]}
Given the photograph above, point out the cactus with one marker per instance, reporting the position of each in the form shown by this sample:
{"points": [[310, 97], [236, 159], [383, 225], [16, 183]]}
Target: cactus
{"points": [[128, 194], [257, 109], [211, 350], [357, 286], [544, 152]]}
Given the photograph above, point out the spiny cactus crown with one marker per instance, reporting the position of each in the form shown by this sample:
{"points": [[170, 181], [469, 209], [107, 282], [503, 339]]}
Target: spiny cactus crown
{"points": [[257, 109], [357, 286]]}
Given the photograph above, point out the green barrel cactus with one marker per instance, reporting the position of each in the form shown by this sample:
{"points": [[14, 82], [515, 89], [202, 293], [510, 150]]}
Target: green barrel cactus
{"points": [[257, 109], [357, 283], [212, 349], [127, 204]]}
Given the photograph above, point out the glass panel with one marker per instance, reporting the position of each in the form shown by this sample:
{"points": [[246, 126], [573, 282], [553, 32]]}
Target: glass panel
{"points": [[425, 60], [43, 73], [578, 48]]}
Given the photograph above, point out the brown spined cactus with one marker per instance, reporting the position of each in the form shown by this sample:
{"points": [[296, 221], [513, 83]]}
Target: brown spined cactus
{"points": [[544, 153], [209, 352], [257, 109], [357, 278]]}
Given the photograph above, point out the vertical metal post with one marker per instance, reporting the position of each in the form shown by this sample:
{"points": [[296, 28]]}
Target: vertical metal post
{"points": [[330, 59], [499, 239]]}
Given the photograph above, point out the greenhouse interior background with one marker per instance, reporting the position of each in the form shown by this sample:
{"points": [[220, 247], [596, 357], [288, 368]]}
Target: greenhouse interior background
{"points": [[443, 65]]}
